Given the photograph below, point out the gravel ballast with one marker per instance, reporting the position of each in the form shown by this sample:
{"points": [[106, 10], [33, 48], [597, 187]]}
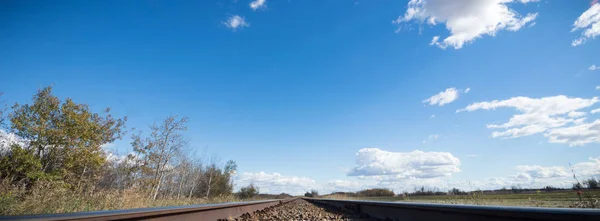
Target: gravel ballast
{"points": [[299, 210]]}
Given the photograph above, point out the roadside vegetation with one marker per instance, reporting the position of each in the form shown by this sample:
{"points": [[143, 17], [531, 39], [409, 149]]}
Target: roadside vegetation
{"points": [[52, 160]]}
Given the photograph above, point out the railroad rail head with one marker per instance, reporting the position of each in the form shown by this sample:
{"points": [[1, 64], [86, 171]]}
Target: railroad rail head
{"points": [[429, 211], [194, 212]]}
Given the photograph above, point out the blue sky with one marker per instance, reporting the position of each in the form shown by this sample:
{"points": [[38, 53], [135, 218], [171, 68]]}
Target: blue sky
{"points": [[295, 91]]}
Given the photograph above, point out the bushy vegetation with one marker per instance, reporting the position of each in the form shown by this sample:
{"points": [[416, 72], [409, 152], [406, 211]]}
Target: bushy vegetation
{"points": [[248, 192], [591, 183], [551, 188], [456, 191], [312, 193], [375, 192], [58, 163]]}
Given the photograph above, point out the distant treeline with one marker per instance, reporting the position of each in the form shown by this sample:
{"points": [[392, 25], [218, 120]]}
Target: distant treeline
{"points": [[367, 193], [591, 183], [274, 196]]}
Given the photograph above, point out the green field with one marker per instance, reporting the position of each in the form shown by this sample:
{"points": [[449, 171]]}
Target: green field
{"points": [[562, 199]]}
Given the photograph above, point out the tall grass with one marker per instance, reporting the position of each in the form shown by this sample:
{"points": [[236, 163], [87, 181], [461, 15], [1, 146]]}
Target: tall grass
{"points": [[44, 198]]}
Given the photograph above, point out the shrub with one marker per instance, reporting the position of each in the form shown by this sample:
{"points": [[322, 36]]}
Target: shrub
{"points": [[456, 191], [591, 183], [312, 193], [248, 192], [376, 192]]}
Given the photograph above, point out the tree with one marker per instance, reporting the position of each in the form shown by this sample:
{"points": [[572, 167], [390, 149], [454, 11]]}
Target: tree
{"points": [[65, 137], [119, 172], [456, 191], [230, 168], [216, 180], [591, 183], [312, 193], [229, 171], [157, 152], [183, 170], [248, 192], [577, 186], [196, 176]]}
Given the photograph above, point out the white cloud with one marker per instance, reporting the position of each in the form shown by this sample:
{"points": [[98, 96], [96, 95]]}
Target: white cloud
{"points": [[7, 139], [111, 157], [343, 186], [527, 176], [434, 40], [548, 105], [597, 87], [467, 90], [107, 145], [595, 111], [519, 132], [543, 172], [445, 97], [256, 4], [275, 183], [533, 176], [587, 169], [557, 176], [577, 135], [236, 22], [539, 119], [399, 165], [594, 67], [432, 116], [537, 115], [575, 114], [410, 184], [579, 121], [589, 21], [466, 20]]}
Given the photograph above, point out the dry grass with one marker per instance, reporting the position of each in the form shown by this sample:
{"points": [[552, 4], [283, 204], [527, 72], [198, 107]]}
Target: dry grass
{"points": [[53, 198], [558, 199]]}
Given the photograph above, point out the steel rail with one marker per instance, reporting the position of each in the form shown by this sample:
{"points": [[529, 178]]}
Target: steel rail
{"points": [[193, 212], [429, 211]]}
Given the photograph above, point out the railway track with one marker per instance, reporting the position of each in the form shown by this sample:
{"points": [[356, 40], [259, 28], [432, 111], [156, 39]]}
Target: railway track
{"points": [[324, 209]]}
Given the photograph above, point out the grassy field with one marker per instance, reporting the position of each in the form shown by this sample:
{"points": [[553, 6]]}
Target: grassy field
{"points": [[561, 199], [53, 199]]}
